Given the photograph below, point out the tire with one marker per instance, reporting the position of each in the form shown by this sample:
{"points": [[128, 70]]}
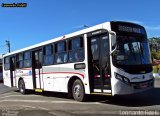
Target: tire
{"points": [[21, 87], [78, 91]]}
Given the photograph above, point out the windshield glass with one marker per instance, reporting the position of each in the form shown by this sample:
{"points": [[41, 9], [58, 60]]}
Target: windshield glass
{"points": [[132, 51]]}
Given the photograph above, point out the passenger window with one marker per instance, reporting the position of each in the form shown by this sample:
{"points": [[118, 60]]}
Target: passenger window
{"points": [[76, 50], [48, 50], [27, 59], [61, 46], [48, 55], [19, 60], [6, 63], [61, 55], [76, 43], [76, 55]]}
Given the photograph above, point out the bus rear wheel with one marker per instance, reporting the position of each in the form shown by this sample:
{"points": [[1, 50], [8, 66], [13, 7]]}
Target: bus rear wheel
{"points": [[78, 91], [21, 86]]}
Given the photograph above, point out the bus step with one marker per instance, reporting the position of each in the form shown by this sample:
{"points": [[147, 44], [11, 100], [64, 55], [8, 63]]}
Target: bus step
{"points": [[105, 94], [38, 90]]}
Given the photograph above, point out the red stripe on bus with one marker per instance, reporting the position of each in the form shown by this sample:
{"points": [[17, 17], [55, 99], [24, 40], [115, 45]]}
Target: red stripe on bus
{"points": [[56, 73], [63, 73]]}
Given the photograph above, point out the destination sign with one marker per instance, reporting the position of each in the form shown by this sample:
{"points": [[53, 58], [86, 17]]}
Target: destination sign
{"points": [[129, 29]]}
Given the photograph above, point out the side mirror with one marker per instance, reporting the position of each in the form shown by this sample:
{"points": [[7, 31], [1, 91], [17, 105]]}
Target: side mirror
{"points": [[113, 40], [113, 43], [114, 52]]}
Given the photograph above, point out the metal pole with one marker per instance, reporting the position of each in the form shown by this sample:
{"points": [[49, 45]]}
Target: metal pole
{"points": [[8, 46]]}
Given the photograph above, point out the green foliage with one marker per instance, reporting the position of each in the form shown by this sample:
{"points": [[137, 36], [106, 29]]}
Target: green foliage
{"points": [[155, 55], [156, 39], [155, 47]]}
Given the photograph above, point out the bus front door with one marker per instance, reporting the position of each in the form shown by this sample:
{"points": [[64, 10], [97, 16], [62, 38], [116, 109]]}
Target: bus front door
{"points": [[37, 69], [99, 64]]}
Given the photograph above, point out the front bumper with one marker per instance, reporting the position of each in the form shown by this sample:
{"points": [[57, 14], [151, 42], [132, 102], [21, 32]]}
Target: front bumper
{"points": [[121, 88]]}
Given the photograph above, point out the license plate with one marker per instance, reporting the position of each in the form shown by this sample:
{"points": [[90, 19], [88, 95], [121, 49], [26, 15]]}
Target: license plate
{"points": [[143, 85]]}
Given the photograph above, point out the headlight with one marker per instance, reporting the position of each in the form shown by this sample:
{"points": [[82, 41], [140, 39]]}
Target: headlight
{"points": [[122, 78], [126, 80], [119, 77]]}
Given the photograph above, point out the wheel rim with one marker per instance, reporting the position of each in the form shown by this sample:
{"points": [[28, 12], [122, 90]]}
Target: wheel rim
{"points": [[77, 90]]}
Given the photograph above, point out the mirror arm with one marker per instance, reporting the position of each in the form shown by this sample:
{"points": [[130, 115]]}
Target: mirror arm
{"points": [[113, 50]]}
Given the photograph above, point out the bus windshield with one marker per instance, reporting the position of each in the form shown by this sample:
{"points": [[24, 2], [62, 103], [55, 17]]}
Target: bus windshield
{"points": [[132, 51]]}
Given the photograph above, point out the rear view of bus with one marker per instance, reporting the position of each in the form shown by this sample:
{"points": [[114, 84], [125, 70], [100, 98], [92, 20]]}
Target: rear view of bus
{"points": [[130, 59]]}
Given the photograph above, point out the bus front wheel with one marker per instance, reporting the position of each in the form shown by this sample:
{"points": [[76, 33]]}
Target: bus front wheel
{"points": [[78, 91], [21, 86]]}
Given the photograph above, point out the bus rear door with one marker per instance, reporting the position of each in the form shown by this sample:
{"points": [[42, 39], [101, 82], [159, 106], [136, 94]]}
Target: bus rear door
{"points": [[37, 70], [12, 71]]}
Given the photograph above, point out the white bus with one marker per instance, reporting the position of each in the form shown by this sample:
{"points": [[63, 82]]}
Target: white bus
{"points": [[112, 58], [1, 75]]}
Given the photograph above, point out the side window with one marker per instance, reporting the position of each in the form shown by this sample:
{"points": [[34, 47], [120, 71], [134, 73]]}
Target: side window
{"points": [[60, 46], [48, 55], [76, 43], [19, 60], [27, 59], [6, 63], [76, 50], [12, 63], [61, 54]]}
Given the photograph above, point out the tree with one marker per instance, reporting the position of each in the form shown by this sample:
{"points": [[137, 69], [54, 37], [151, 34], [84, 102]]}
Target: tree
{"points": [[155, 47]]}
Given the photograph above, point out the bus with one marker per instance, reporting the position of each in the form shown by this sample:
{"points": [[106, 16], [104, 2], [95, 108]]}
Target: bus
{"points": [[112, 58], [1, 75]]}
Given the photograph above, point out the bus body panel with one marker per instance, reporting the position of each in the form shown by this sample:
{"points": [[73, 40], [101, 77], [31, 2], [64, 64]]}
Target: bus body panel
{"points": [[56, 77], [26, 75], [6, 78]]}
